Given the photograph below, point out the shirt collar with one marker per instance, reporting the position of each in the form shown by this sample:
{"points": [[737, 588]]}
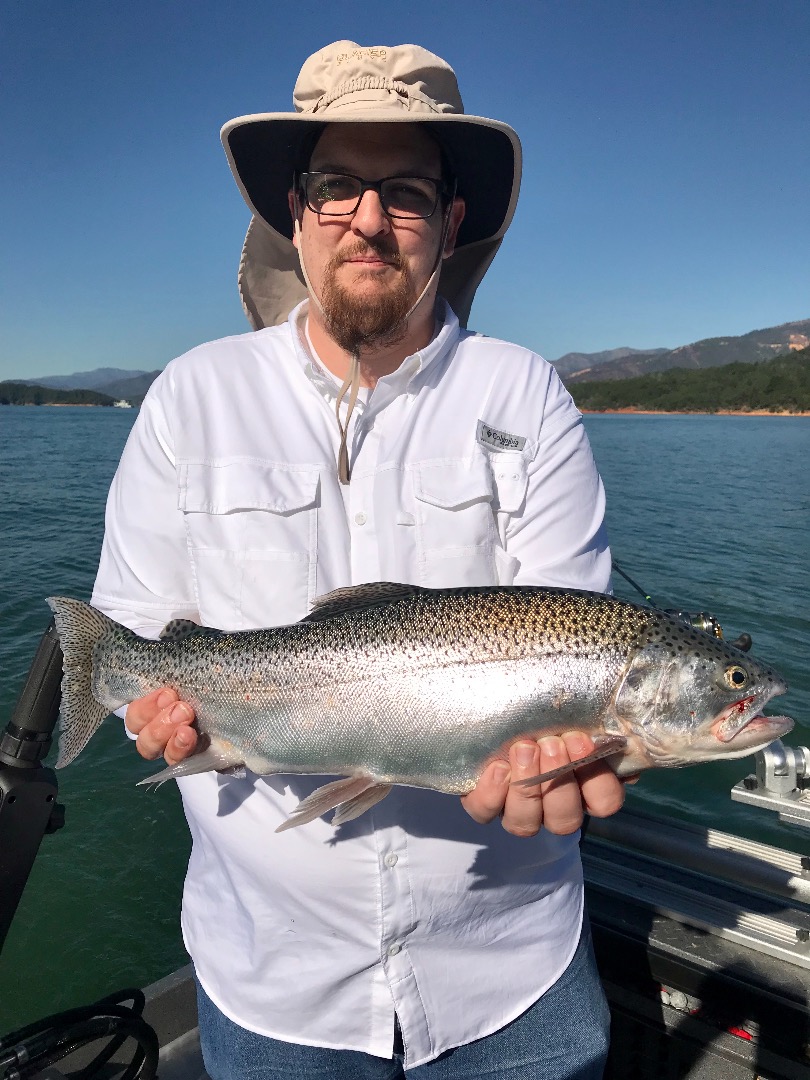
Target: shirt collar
{"points": [[399, 381]]}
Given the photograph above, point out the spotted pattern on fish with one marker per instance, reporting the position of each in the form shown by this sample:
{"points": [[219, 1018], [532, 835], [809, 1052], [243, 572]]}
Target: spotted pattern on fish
{"points": [[391, 684]]}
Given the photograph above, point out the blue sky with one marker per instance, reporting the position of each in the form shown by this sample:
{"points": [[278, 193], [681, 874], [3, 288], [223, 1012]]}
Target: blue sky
{"points": [[666, 143]]}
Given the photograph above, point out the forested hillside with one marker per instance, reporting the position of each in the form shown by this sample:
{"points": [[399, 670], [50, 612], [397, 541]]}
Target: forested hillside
{"points": [[778, 385], [14, 393]]}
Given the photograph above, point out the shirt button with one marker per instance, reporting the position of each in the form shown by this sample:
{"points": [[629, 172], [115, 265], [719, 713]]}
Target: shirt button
{"points": [[360, 519], [391, 859], [394, 948]]}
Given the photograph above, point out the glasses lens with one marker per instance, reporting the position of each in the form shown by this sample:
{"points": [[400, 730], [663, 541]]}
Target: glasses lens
{"points": [[335, 194], [331, 193], [409, 196]]}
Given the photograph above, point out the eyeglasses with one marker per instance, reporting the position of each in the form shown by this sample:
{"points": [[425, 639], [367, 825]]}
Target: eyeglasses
{"points": [[339, 194]]}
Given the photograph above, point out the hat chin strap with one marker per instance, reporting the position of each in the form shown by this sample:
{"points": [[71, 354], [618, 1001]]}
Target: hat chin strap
{"points": [[351, 383]]}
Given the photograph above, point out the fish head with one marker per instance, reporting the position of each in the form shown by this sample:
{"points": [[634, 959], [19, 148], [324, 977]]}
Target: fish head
{"points": [[687, 696]]}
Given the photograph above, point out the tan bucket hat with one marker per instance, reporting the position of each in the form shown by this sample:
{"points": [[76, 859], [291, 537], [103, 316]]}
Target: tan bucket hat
{"points": [[346, 83]]}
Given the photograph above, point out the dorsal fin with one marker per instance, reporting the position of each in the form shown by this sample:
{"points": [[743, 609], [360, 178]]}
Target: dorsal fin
{"points": [[178, 629], [358, 597]]}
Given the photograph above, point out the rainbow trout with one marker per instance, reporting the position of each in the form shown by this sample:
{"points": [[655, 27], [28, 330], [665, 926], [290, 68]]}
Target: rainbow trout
{"points": [[392, 684]]}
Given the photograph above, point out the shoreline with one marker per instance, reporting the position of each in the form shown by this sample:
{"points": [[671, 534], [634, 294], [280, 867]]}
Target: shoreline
{"points": [[632, 411], [626, 410]]}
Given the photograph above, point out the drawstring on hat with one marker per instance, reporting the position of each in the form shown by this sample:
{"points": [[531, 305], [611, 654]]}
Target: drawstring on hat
{"points": [[352, 381]]}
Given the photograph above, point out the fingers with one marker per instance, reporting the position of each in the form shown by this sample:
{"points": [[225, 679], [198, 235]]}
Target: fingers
{"points": [[557, 805], [162, 724], [142, 710], [520, 808], [486, 800], [601, 790], [523, 810], [563, 801]]}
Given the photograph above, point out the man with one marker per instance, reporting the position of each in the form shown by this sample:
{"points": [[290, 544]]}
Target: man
{"points": [[362, 435]]}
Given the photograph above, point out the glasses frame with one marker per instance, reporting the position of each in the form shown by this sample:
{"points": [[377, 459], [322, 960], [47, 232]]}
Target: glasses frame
{"points": [[442, 191]]}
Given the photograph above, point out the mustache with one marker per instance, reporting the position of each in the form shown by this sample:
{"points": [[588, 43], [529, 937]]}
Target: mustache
{"points": [[360, 250]]}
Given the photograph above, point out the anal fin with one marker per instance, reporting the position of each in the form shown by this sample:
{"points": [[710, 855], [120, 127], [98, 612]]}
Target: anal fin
{"points": [[356, 793], [353, 808]]}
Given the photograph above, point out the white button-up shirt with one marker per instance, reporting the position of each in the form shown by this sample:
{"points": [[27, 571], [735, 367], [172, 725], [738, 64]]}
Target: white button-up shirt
{"points": [[470, 466]]}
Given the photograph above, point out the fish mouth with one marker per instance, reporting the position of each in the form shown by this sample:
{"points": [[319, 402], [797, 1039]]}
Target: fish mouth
{"points": [[743, 723]]}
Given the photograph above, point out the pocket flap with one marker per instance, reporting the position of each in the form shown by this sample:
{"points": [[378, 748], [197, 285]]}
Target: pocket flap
{"points": [[228, 486], [511, 476], [453, 484]]}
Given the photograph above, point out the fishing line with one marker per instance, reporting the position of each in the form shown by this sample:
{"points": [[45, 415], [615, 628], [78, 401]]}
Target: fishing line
{"points": [[699, 620], [615, 566]]}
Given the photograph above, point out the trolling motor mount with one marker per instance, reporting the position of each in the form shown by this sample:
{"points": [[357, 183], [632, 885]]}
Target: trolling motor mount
{"points": [[781, 783], [28, 790]]}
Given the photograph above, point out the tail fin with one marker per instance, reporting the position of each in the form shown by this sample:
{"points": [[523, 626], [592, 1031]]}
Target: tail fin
{"points": [[79, 627]]}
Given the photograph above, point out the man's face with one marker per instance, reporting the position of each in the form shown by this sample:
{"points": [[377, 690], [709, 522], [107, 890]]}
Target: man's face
{"points": [[367, 268]]}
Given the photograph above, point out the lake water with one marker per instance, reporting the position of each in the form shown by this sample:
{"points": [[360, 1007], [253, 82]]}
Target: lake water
{"points": [[706, 512]]}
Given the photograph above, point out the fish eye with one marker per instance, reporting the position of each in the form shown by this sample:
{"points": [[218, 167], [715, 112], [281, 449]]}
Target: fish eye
{"points": [[735, 677]]}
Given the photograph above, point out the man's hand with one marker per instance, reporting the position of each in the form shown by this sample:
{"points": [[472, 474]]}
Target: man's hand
{"points": [[557, 805], [162, 724]]}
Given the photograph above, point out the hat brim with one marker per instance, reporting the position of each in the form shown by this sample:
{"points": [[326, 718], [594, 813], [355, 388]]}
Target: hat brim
{"points": [[263, 150]]}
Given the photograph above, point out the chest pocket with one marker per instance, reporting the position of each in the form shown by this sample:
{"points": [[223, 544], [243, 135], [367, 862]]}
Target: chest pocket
{"points": [[252, 536], [456, 532]]}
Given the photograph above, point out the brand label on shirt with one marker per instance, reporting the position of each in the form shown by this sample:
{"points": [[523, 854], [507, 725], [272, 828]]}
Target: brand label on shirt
{"points": [[498, 440]]}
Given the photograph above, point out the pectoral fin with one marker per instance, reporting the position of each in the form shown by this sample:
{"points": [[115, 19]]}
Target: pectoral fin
{"points": [[605, 746]]}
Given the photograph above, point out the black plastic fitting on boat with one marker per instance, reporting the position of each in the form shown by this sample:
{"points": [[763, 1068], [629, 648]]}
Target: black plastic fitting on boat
{"points": [[28, 735], [28, 806]]}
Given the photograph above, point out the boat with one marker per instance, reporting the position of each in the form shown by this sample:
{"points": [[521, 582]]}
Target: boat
{"points": [[702, 937], [121, 404]]}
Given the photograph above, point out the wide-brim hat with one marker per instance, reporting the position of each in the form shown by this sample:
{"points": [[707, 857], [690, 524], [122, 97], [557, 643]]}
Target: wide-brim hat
{"points": [[347, 84]]}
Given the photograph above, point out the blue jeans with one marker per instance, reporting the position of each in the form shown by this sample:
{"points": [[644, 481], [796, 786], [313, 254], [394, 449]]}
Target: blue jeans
{"points": [[563, 1036]]}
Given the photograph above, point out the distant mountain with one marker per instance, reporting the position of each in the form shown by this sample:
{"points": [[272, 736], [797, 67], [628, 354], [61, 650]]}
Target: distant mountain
{"points": [[83, 380], [754, 347], [133, 389], [113, 382], [574, 362]]}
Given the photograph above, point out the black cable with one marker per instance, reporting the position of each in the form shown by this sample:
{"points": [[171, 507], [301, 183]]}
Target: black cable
{"points": [[36, 1046], [138, 1000], [112, 1004], [144, 1060]]}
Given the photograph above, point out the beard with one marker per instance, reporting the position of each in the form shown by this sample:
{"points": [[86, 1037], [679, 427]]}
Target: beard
{"points": [[360, 322]]}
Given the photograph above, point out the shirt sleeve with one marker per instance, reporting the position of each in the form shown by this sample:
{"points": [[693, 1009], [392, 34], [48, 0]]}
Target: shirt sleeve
{"points": [[560, 538], [144, 578]]}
